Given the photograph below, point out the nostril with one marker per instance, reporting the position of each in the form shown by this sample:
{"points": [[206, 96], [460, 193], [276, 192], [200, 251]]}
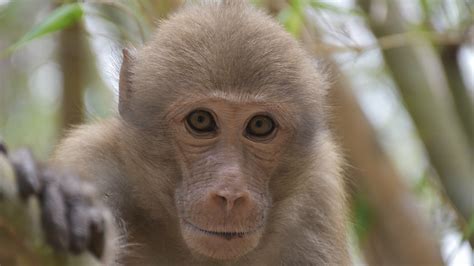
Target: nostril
{"points": [[229, 200], [222, 199]]}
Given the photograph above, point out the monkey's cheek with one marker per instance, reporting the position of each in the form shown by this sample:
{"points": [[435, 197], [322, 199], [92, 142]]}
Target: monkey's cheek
{"points": [[218, 247]]}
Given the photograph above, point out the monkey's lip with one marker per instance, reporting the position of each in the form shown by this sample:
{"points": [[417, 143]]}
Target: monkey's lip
{"points": [[223, 234]]}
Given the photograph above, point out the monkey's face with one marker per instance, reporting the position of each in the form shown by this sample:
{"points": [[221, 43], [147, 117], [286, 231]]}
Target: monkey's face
{"points": [[234, 102], [228, 152]]}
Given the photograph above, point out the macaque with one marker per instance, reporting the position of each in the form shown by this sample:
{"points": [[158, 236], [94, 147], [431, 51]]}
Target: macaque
{"points": [[220, 153]]}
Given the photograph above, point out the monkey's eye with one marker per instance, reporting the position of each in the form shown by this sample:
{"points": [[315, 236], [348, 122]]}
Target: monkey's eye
{"points": [[201, 121], [260, 126]]}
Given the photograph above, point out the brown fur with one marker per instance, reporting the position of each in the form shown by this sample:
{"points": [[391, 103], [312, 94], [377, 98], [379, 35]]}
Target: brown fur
{"points": [[236, 61]]}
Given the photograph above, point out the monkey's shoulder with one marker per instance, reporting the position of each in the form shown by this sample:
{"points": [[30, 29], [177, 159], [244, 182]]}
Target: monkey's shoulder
{"points": [[89, 146]]}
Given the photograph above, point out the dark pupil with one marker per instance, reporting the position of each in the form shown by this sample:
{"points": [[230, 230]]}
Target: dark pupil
{"points": [[258, 123], [201, 119]]}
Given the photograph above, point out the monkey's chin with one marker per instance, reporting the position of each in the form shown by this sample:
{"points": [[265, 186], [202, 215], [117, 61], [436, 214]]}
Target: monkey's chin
{"points": [[220, 245]]}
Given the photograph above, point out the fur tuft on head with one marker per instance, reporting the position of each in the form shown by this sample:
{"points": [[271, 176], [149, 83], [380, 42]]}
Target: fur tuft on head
{"points": [[234, 2]]}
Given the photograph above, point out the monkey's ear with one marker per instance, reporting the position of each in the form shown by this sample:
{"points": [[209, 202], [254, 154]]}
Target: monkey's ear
{"points": [[125, 84]]}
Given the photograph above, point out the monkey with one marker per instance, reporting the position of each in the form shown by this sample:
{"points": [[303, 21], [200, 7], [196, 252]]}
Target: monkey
{"points": [[220, 153]]}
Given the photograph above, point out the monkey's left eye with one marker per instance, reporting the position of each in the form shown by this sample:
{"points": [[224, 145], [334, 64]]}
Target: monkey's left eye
{"points": [[260, 126], [201, 121]]}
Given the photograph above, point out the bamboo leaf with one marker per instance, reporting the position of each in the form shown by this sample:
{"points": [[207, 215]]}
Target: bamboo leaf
{"points": [[61, 18]]}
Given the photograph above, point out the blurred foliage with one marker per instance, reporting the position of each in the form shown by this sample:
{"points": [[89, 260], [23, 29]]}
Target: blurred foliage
{"points": [[469, 232], [292, 17], [362, 215]]}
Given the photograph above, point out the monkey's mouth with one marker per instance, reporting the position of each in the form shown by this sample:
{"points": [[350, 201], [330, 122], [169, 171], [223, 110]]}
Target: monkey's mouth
{"points": [[223, 234]]}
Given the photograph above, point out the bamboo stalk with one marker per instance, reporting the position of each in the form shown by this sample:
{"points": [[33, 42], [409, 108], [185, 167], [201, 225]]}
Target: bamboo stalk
{"points": [[418, 74]]}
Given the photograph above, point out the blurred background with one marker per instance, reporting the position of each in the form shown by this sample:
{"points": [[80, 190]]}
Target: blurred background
{"points": [[402, 93]]}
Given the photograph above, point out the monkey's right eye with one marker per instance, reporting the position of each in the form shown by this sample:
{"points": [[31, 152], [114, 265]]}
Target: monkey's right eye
{"points": [[201, 121]]}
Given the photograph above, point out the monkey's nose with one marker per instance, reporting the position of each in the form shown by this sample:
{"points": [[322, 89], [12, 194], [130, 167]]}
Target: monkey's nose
{"points": [[229, 200]]}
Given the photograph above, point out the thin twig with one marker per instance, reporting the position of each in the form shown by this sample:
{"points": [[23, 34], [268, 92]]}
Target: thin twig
{"points": [[393, 41]]}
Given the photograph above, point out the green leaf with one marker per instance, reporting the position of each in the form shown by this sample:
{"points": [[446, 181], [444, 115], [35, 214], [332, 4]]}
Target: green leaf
{"points": [[61, 18], [469, 231], [293, 17], [422, 184], [363, 216]]}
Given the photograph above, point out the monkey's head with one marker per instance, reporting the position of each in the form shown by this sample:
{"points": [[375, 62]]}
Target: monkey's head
{"points": [[222, 105]]}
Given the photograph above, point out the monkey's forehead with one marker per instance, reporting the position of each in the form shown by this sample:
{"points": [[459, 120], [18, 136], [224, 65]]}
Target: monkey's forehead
{"points": [[219, 47]]}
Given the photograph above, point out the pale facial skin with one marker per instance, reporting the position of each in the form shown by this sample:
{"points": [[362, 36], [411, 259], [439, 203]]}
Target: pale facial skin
{"points": [[228, 152]]}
